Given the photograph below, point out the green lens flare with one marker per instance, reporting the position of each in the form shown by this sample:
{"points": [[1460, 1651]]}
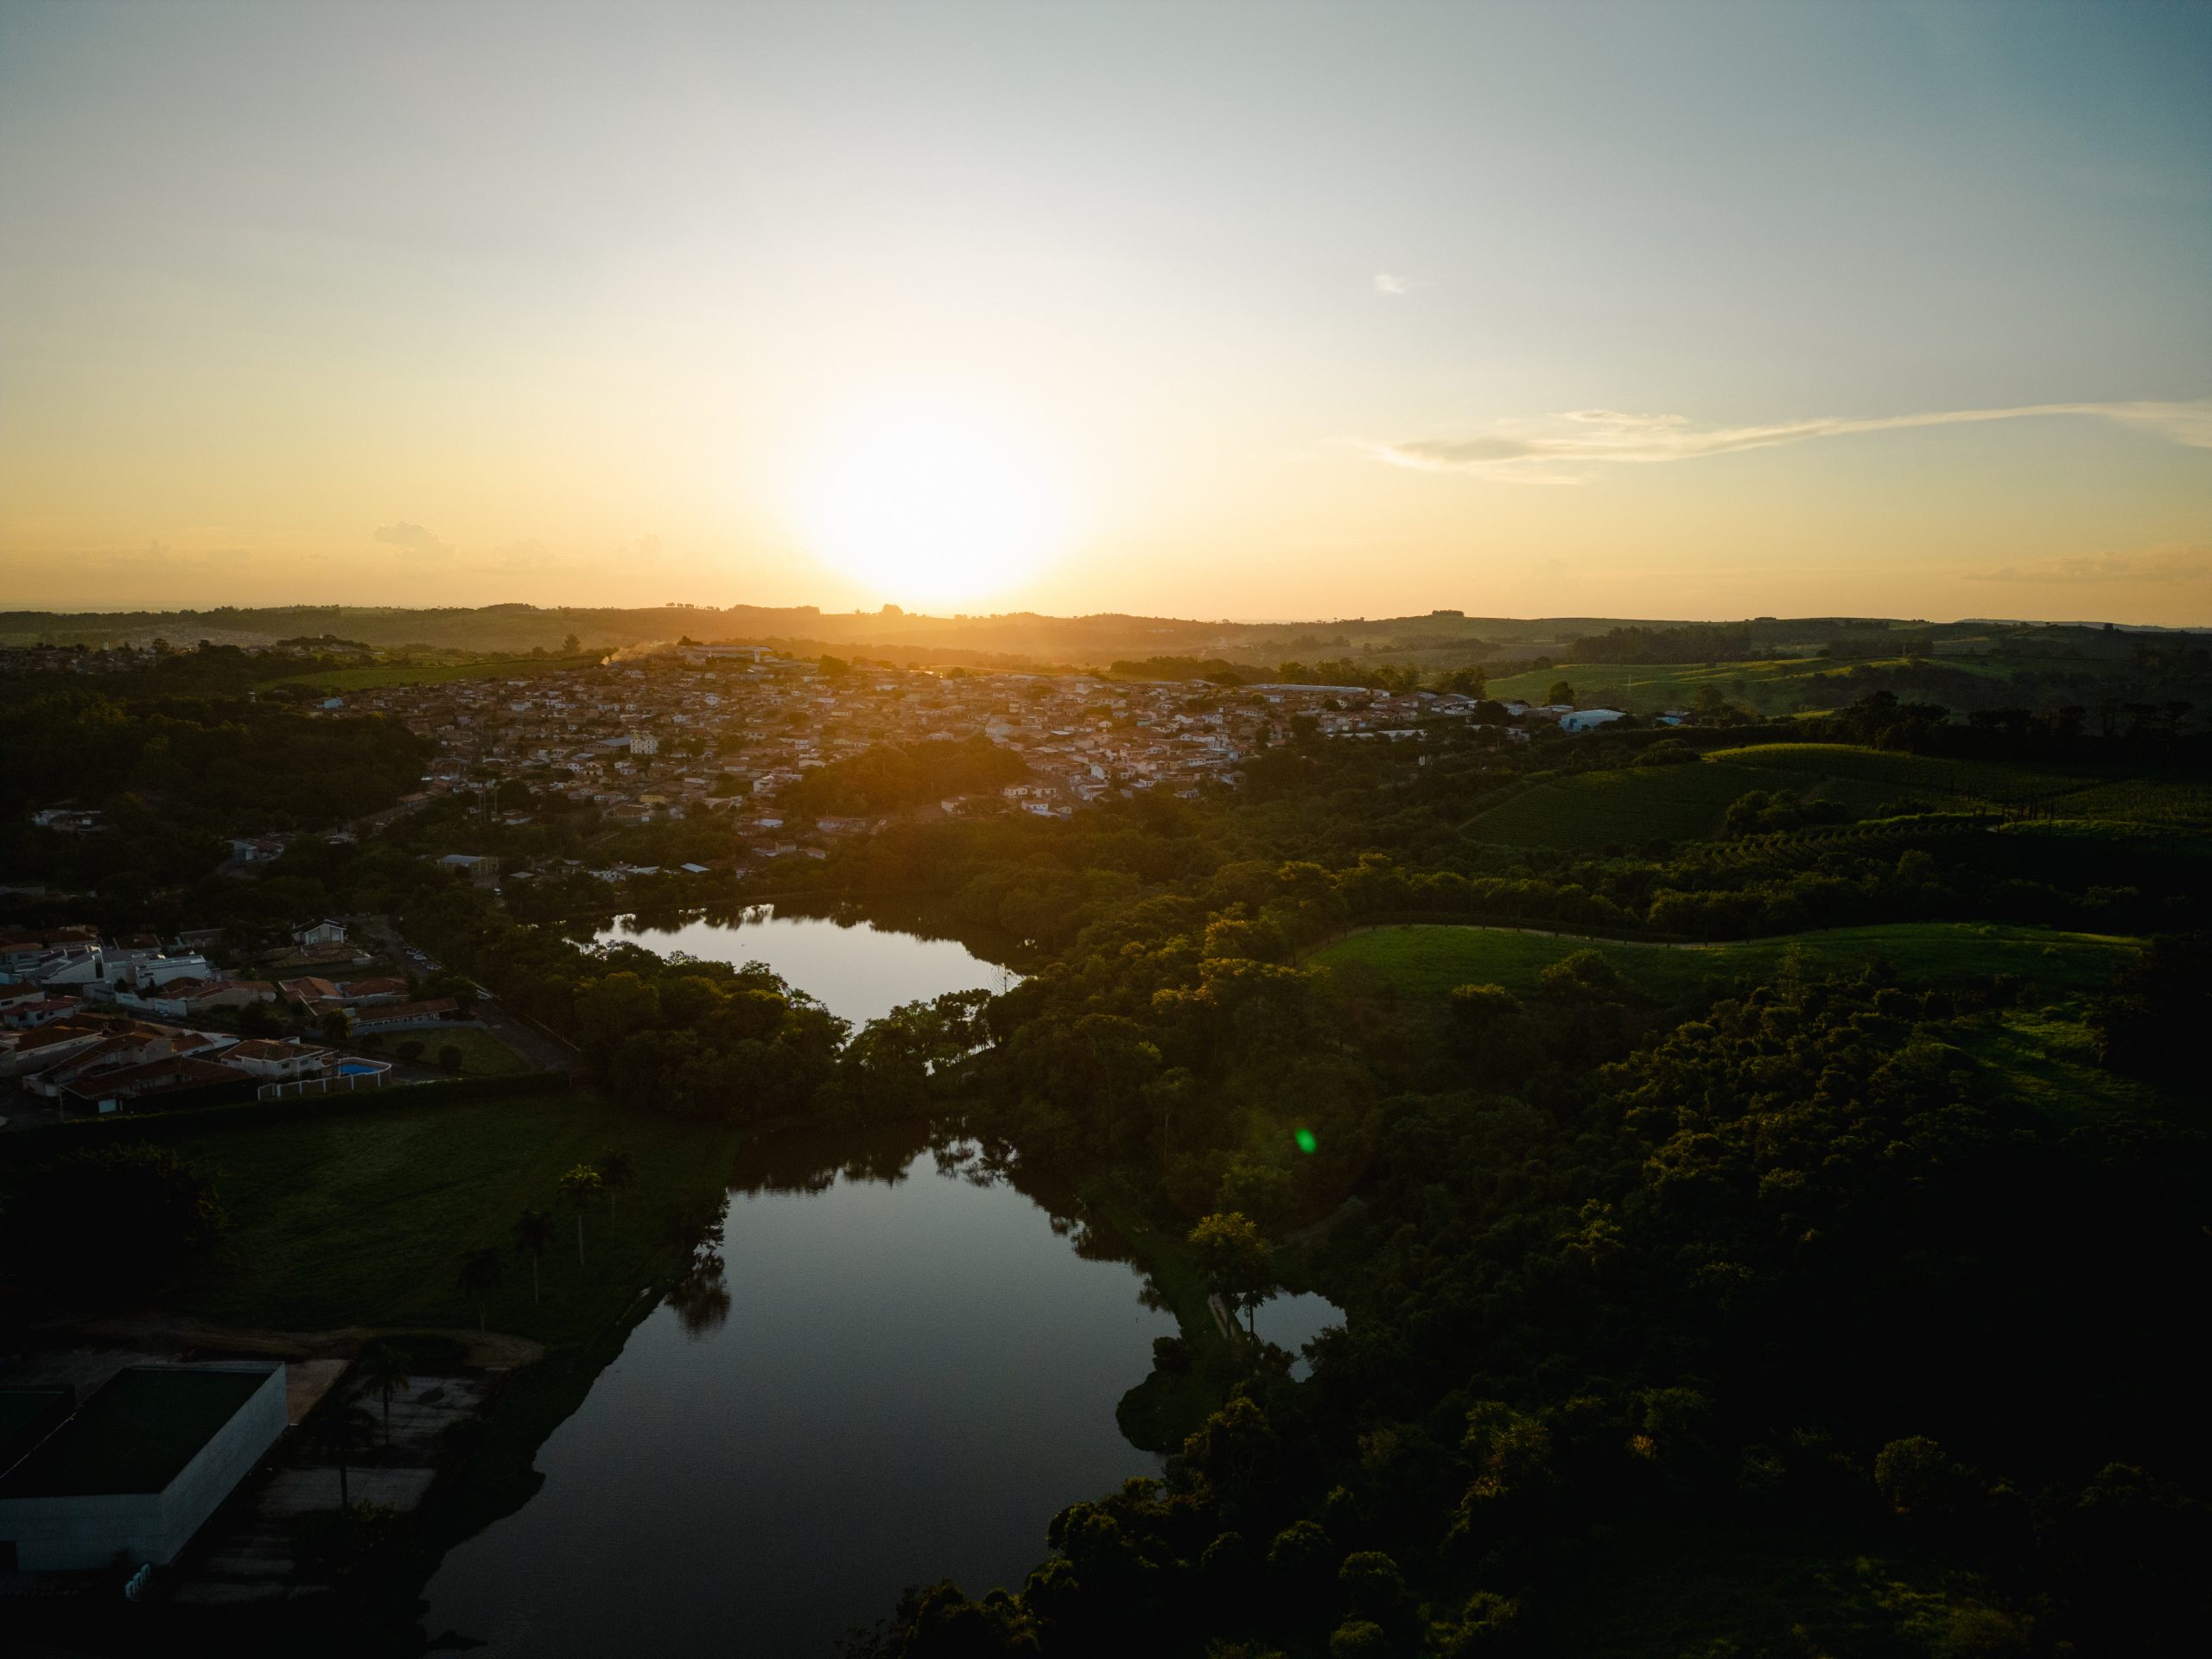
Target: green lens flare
{"points": [[1305, 1139]]}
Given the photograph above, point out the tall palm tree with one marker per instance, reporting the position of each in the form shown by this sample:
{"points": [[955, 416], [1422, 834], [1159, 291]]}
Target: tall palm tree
{"points": [[383, 1370], [480, 1271], [615, 1172], [580, 1187], [337, 1430], [533, 1232]]}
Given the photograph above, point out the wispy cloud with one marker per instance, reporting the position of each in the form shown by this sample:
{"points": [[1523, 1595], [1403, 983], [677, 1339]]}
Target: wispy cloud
{"points": [[1561, 449], [2184, 564], [1388, 287], [414, 539]]}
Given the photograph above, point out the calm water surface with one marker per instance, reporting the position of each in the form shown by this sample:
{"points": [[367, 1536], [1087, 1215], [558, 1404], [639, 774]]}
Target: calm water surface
{"points": [[907, 1378], [853, 968]]}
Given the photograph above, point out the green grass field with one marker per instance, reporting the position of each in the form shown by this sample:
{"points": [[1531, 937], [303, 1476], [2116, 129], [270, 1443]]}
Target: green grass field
{"points": [[482, 1053], [1771, 688], [376, 677], [1590, 810], [363, 1218], [1429, 961]]}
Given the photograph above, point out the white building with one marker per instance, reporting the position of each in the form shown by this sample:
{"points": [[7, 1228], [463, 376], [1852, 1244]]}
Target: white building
{"points": [[1588, 720], [133, 1474]]}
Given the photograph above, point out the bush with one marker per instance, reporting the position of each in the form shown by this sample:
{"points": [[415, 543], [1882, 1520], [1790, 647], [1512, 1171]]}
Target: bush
{"points": [[450, 1057]]}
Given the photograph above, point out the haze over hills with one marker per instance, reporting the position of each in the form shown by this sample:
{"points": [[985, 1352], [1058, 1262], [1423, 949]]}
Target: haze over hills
{"points": [[1444, 635]]}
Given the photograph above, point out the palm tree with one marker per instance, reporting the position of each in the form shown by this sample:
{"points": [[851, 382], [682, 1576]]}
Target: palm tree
{"points": [[533, 1233], [615, 1172], [382, 1370], [337, 1430], [480, 1271], [580, 1187]]}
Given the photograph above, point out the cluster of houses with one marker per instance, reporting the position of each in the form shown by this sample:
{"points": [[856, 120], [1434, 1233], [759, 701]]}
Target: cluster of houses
{"points": [[725, 728], [96, 1025]]}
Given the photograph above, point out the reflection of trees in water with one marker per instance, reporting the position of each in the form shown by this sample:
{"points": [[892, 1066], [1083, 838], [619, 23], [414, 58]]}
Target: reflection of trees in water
{"points": [[813, 1161], [808, 1161], [700, 1298]]}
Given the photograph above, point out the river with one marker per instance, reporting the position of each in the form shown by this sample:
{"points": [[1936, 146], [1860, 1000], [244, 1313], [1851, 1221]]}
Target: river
{"points": [[884, 1376], [879, 1373]]}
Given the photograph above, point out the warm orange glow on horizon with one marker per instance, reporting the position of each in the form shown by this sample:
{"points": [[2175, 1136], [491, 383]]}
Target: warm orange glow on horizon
{"points": [[927, 501]]}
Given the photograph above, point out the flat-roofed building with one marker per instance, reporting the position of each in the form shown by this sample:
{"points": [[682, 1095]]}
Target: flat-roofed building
{"points": [[133, 1474]]}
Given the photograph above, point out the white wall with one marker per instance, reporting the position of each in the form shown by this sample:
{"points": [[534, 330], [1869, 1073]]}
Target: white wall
{"points": [[65, 1533]]}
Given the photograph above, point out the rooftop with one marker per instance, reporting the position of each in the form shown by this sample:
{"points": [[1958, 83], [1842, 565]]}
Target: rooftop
{"points": [[138, 1432]]}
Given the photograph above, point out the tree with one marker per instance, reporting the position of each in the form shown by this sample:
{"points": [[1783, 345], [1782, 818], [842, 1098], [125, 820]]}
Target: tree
{"points": [[450, 1057], [615, 1172], [570, 645], [336, 1025], [337, 1430], [108, 1214], [580, 1187], [480, 1271], [383, 1370], [533, 1235], [1561, 692], [1236, 1263]]}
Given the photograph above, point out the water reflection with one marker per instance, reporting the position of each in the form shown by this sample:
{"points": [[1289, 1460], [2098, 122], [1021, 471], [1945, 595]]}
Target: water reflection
{"points": [[700, 1298], [856, 967], [891, 1360]]}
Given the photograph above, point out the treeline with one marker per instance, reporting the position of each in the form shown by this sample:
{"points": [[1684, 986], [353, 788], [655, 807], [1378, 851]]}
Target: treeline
{"points": [[1696, 642], [891, 777]]}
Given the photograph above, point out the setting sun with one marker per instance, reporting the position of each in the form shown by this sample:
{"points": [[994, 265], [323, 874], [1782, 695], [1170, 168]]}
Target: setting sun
{"points": [[929, 502]]}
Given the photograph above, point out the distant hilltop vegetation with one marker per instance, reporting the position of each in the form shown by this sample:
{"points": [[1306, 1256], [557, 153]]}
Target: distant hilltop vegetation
{"points": [[1175, 647]]}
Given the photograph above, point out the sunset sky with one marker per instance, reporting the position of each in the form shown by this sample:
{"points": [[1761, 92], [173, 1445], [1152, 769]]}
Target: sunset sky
{"points": [[1209, 310]]}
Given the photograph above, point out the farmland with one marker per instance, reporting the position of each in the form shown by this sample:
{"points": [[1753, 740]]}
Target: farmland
{"points": [[1630, 807], [1429, 961], [1772, 687]]}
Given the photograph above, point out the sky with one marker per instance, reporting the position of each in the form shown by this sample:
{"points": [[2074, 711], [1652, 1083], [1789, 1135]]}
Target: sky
{"points": [[1219, 310]]}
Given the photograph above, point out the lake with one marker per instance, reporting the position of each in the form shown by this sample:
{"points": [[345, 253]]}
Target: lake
{"points": [[877, 1376], [853, 968]]}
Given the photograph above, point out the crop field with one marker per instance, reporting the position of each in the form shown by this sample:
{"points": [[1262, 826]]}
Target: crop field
{"points": [[1845, 772], [2175, 803], [1429, 961], [380, 674], [1772, 688], [1592, 810]]}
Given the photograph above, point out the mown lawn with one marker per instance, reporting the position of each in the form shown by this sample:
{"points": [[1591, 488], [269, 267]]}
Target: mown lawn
{"points": [[1429, 961], [482, 1053], [363, 1218]]}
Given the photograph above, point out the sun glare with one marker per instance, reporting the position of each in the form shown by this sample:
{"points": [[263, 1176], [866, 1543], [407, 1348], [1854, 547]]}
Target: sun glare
{"points": [[928, 502]]}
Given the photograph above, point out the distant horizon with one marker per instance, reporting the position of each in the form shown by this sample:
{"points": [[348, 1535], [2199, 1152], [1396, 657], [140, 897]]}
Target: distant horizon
{"points": [[911, 612]]}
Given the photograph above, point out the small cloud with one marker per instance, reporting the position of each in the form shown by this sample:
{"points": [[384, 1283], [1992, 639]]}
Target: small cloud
{"points": [[643, 551], [519, 558], [1387, 287], [413, 539], [2185, 564], [1559, 448]]}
